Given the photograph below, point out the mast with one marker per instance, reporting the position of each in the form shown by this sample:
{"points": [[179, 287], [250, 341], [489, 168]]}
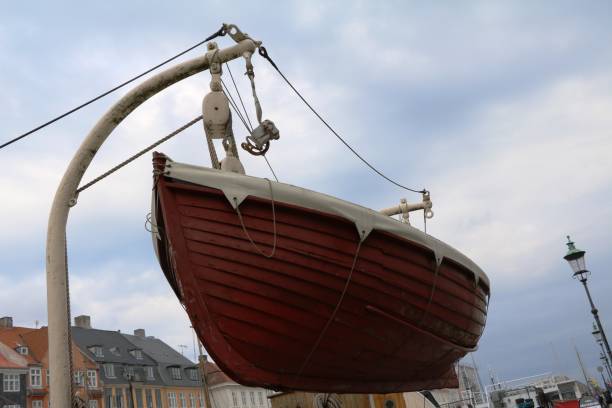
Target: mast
{"points": [[586, 378], [202, 361], [58, 299], [482, 388]]}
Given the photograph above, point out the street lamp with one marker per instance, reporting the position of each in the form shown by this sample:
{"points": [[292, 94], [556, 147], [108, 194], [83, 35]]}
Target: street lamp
{"points": [[604, 359], [575, 257], [606, 364]]}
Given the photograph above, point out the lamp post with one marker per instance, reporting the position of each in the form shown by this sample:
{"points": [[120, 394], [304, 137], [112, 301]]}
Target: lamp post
{"points": [[604, 359], [575, 257], [601, 371], [606, 363]]}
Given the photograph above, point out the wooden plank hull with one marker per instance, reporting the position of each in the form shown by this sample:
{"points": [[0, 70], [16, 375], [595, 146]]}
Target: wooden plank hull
{"points": [[324, 312]]}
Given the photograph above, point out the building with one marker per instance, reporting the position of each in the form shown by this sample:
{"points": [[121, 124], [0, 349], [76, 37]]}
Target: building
{"points": [[226, 393], [113, 370], [32, 345], [87, 384], [537, 390], [129, 377], [13, 378], [424, 399], [470, 386], [180, 377]]}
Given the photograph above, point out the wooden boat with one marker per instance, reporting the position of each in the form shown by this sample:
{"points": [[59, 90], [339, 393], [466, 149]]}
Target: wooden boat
{"points": [[291, 289]]}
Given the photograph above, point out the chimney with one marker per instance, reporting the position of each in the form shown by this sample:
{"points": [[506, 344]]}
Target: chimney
{"points": [[83, 321], [140, 333], [6, 321]]}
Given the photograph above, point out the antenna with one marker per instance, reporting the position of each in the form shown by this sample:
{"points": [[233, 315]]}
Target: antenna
{"points": [[182, 347], [195, 357]]}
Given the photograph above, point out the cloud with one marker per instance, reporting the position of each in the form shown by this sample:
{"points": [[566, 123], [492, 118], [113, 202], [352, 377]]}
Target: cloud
{"points": [[501, 111]]}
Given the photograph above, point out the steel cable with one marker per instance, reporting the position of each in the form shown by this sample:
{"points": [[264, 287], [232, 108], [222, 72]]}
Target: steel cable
{"points": [[263, 52], [218, 33]]}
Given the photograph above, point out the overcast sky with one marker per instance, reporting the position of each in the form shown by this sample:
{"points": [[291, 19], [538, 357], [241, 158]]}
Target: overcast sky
{"points": [[502, 109]]}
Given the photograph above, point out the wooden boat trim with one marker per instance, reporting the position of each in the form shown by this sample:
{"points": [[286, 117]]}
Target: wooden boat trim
{"points": [[237, 187], [449, 343]]}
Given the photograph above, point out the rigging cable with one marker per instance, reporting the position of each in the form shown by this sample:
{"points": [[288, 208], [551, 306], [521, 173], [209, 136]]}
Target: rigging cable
{"points": [[249, 129], [140, 153], [218, 33], [264, 53], [239, 97]]}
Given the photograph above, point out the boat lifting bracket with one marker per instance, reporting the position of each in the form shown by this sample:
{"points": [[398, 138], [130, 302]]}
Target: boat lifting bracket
{"points": [[404, 208]]}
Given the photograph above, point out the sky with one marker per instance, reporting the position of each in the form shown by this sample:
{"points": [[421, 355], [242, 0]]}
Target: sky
{"points": [[501, 109]]}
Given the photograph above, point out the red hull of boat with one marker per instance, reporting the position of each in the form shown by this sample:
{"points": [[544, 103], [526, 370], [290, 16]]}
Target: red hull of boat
{"points": [[400, 326]]}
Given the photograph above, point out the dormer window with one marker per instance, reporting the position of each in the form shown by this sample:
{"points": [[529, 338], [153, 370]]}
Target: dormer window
{"points": [[128, 372], [115, 351], [96, 351], [137, 354], [150, 373], [193, 374], [23, 350], [175, 373]]}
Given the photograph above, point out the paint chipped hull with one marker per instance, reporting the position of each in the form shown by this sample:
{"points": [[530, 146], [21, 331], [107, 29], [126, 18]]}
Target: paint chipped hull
{"points": [[300, 320]]}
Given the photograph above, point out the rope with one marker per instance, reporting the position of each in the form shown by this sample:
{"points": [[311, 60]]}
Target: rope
{"points": [[273, 223], [431, 294], [270, 167], [234, 106], [239, 97], [333, 315], [137, 155], [327, 401], [218, 33], [263, 52]]}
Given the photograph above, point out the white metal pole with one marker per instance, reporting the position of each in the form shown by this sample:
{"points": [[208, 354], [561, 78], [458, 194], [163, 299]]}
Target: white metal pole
{"points": [[65, 197]]}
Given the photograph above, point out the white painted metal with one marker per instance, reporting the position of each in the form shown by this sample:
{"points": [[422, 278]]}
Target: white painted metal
{"points": [[404, 208], [65, 197]]}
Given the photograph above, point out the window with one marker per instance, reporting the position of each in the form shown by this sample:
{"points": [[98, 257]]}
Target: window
{"points": [[234, 399], [252, 397], [96, 351], [36, 377], [150, 373], [78, 378], [192, 400], [172, 400], [183, 400], [92, 378], [158, 398], [128, 371], [119, 398], [149, 398], [23, 350], [93, 403], [36, 404], [193, 374], [243, 397], [175, 373], [115, 351], [109, 370], [260, 396], [137, 354], [48, 379], [11, 383]]}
